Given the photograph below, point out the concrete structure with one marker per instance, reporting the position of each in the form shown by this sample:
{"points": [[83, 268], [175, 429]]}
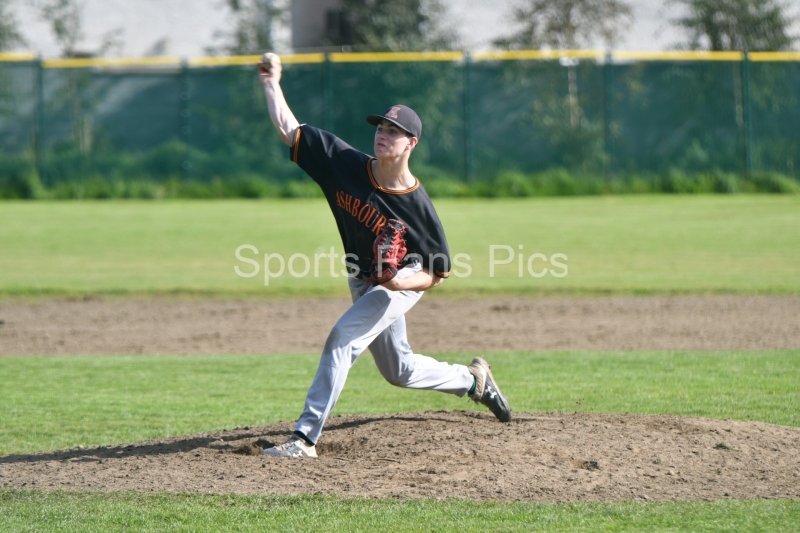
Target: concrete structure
{"points": [[309, 22]]}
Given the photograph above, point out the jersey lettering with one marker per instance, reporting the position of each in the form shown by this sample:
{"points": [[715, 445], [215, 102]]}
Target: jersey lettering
{"points": [[366, 214], [379, 224], [361, 207]]}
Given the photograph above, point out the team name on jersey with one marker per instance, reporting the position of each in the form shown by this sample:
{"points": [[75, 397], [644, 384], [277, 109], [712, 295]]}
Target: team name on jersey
{"points": [[363, 212]]}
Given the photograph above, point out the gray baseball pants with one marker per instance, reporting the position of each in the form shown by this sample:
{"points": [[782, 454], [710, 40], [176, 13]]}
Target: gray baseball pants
{"points": [[375, 321]]}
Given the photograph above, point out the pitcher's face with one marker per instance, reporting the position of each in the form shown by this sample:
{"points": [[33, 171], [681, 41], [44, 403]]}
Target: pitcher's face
{"points": [[392, 141]]}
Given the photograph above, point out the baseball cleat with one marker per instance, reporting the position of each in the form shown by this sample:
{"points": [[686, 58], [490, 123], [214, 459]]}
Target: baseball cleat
{"points": [[293, 447], [486, 390]]}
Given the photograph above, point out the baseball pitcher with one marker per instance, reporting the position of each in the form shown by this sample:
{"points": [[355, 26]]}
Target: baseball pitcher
{"points": [[397, 250]]}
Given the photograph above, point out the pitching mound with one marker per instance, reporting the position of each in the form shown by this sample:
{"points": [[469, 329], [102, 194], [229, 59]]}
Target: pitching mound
{"points": [[451, 454]]}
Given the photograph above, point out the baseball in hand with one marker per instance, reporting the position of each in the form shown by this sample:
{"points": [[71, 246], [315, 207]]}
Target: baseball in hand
{"points": [[270, 64]]}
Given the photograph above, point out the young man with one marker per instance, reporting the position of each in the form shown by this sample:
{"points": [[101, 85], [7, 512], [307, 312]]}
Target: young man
{"points": [[365, 194]]}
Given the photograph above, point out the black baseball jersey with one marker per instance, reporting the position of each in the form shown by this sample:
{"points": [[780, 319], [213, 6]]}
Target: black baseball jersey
{"points": [[361, 207]]}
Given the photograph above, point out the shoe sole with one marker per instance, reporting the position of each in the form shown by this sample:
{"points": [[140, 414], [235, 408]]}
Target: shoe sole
{"points": [[285, 455], [497, 388], [270, 453]]}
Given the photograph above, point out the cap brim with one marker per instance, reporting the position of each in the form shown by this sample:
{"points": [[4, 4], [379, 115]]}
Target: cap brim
{"points": [[376, 119]]}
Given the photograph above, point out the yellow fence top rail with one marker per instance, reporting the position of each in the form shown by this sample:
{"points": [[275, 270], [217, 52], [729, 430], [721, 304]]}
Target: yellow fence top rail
{"points": [[111, 62], [679, 56], [503, 55], [17, 56], [774, 56], [374, 57], [377, 57], [253, 60]]}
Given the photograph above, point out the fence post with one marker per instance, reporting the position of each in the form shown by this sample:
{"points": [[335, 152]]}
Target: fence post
{"points": [[327, 104], [39, 131], [469, 170], [607, 112], [186, 129], [746, 117]]}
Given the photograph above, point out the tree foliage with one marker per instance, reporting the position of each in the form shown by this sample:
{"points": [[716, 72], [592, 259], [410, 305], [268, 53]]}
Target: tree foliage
{"points": [[567, 24], [9, 35], [65, 18], [253, 32], [746, 25], [66, 22], [390, 25]]}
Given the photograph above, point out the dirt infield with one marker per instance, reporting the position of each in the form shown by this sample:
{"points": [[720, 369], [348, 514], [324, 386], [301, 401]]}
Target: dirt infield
{"points": [[549, 457], [546, 457], [165, 326]]}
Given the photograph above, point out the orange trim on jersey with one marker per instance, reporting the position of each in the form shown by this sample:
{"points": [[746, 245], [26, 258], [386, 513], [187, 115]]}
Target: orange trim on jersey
{"points": [[296, 145], [443, 275], [389, 191]]}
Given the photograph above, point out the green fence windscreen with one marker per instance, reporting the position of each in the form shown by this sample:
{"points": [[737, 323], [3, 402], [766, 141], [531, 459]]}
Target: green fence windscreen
{"points": [[18, 116], [535, 115], [109, 123], [228, 127], [481, 116], [682, 115], [774, 109]]}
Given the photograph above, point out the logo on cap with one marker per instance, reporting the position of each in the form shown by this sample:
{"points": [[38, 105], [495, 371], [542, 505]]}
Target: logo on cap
{"points": [[392, 113]]}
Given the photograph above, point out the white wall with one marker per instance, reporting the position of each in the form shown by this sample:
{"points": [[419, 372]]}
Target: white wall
{"points": [[185, 27], [188, 26]]}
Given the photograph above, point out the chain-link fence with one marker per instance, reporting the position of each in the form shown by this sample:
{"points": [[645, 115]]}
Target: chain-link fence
{"points": [[588, 112]]}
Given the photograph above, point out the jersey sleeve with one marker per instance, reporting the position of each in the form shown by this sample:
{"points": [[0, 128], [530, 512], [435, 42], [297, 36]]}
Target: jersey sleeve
{"points": [[322, 155], [440, 263], [432, 245]]}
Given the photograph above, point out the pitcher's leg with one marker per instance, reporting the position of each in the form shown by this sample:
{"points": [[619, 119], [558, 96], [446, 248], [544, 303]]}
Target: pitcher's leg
{"points": [[404, 368], [376, 310]]}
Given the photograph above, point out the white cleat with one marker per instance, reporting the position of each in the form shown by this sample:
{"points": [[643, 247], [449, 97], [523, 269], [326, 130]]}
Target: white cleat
{"points": [[486, 390], [293, 447]]}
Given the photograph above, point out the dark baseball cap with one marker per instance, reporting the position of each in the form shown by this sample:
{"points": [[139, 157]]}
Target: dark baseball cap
{"points": [[401, 116]]}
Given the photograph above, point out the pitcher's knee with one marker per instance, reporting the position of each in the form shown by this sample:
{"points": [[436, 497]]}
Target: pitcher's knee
{"points": [[333, 343], [398, 377]]}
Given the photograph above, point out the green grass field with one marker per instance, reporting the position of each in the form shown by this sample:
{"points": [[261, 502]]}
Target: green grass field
{"points": [[86, 512], [620, 244], [629, 244], [60, 402], [52, 403]]}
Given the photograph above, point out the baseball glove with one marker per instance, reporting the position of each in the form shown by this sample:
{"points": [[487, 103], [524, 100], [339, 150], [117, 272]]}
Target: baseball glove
{"points": [[390, 252]]}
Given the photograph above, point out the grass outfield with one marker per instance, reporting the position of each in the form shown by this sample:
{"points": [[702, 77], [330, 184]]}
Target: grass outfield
{"points": [[58, 402], [630, 244], [89, 512], [627, 244], [53, 403]]}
